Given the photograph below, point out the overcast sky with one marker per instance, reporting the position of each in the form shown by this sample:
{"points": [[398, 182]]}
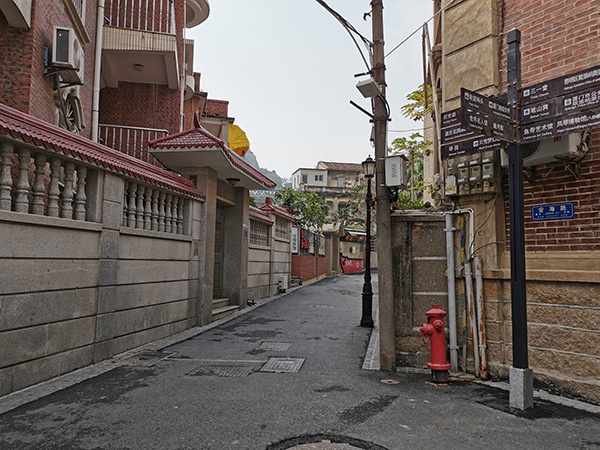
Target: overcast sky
{"points": [[287, 69]]}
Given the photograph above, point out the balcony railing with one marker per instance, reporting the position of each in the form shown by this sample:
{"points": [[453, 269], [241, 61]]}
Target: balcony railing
{"points": [[156, 16], [132, 141]]}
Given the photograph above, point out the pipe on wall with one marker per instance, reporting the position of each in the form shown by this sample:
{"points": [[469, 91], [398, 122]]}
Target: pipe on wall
{"points": [[97, 70]]}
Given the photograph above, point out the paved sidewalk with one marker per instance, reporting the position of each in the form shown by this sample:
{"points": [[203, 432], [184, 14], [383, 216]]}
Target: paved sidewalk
{"points": [[287, 374]]}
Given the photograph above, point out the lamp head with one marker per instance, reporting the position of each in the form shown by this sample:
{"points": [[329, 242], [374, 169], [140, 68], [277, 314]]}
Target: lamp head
{"points": [[369, 167]]}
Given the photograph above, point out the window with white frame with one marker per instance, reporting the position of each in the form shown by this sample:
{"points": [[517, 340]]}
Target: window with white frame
{"points": [[259, 233]]}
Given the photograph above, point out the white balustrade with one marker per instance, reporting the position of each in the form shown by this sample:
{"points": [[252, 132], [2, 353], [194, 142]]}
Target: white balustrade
{"points": [[44, 196], [150, 208]]}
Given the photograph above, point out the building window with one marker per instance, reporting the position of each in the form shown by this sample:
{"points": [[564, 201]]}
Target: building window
{"points": [[305, 179], [282, 229], [259, 233], [318, 177]]}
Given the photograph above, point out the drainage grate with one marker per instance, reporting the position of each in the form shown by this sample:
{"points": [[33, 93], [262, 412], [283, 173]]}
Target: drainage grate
{"points": [[279, 365], [274, 346], [145, 358], [222, 371]]}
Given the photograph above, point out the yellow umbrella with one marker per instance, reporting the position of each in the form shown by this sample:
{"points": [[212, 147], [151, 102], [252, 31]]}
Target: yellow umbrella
{"points": [[238, 141]]}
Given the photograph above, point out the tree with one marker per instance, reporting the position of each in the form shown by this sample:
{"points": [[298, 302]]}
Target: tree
{"points": [[418, 105], [415, 147], [308, 208]]}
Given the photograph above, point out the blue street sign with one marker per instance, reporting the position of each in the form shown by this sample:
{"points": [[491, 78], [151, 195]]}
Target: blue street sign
{"points": [[553, 211]]}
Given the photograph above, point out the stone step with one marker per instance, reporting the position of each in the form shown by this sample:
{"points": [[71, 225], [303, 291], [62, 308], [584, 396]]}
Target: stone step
{"points": [[219, 303], [224, 311]]}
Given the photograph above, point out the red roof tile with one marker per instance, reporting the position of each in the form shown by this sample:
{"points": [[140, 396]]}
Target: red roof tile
{"points": [[257, 214], [269, 206], [194, 138], [32, 130], [345, 167], [201, 138]]}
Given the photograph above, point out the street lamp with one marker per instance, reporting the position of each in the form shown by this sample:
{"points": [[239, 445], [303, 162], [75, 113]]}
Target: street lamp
{"points": [[367, 293]]}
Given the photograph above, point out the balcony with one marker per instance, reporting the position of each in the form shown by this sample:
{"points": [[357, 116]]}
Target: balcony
{"points": [[132, 141], [18, 12], [196, 12], [140, 43]]}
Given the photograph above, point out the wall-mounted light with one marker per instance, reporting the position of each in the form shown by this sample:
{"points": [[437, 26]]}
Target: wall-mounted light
{"points": [[138, 67], [233, 181]]}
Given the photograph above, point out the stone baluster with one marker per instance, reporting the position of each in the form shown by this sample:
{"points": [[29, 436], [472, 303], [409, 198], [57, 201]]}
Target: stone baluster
{"points": [[131, 210], [6, 151], [161, 211], [180, 215], [125, 201], [80, 197], [22, 197], [139, 213], [67, 193], [168, 213], [39, 189], [155, 195], [148, 209], [53, 188]]}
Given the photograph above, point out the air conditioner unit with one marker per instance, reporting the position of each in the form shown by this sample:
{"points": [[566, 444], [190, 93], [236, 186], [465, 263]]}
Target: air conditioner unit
{"points": [[65, 48], [559, 149]]}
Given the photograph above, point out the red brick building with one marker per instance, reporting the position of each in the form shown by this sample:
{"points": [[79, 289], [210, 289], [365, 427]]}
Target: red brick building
{"points": [[559, 41]]}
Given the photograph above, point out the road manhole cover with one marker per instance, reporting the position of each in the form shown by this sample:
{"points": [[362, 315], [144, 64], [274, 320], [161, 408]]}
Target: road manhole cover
{"points": [[283, 365], [274, 346], [222, 371], [324, 442], [145, 358]]}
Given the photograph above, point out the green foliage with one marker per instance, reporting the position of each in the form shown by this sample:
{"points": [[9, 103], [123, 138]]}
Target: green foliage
{"points": [[415, 147], [252, 202], [415, 109], [308, 208], [404, 201], [353, 216]]}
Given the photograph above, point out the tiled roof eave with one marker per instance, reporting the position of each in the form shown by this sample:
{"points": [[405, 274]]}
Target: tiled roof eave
{"points": [[23, 128]]}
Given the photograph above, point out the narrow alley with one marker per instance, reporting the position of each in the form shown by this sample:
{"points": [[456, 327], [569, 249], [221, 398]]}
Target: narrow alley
{"points": [[281, 375]]}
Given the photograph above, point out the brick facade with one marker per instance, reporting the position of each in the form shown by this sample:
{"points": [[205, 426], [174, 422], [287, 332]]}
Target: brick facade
{"points": [[23, 85], [557, 38]]}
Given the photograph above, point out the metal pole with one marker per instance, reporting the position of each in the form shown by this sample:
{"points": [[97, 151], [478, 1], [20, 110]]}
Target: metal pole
{"points": [[521, 377], [387, 347], [367, 293]]}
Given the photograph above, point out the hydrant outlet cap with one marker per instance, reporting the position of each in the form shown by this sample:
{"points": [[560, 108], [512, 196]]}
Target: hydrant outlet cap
{"points": [[436, 311]]}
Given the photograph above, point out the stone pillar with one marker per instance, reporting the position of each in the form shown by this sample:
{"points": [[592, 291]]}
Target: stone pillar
{"points": [[111, 205], [236, 249], [204, 241]]}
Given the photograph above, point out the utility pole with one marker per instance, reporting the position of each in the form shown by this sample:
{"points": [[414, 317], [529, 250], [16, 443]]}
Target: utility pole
{"points": [[387, 344]]}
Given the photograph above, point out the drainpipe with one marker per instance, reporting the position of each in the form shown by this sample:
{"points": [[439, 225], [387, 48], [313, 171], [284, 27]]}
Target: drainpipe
{"points": [[480, 316], [183, 75], [97, 70], [472, 315], [451, 291]]}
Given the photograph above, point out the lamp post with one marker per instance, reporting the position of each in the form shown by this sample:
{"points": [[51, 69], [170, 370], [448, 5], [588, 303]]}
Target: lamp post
{"points": [[367, 293]]}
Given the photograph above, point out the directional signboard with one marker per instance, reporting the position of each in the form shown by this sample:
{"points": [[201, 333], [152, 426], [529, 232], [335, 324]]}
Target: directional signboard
{"points": [[561, 106], [487, 116]]}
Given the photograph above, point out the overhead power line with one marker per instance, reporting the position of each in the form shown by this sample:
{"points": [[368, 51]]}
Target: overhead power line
{"points": [[350, 29]]}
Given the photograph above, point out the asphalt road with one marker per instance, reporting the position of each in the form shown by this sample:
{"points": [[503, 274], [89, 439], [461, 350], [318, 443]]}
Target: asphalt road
{"points": [[215, 391]]}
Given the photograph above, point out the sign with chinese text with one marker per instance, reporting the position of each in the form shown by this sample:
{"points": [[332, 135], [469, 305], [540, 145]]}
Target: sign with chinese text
{"points": [[555, 211]]}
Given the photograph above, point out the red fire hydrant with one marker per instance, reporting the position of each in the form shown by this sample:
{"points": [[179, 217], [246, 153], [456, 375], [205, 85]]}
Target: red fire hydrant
{"points": [[434, 330]]}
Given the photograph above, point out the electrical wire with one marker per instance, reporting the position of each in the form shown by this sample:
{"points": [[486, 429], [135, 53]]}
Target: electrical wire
{"points": [[411, 130], [350, 29], [418, 29]]}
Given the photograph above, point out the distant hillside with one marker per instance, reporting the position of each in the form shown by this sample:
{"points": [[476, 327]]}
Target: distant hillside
{"points": [[250, 158]]}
